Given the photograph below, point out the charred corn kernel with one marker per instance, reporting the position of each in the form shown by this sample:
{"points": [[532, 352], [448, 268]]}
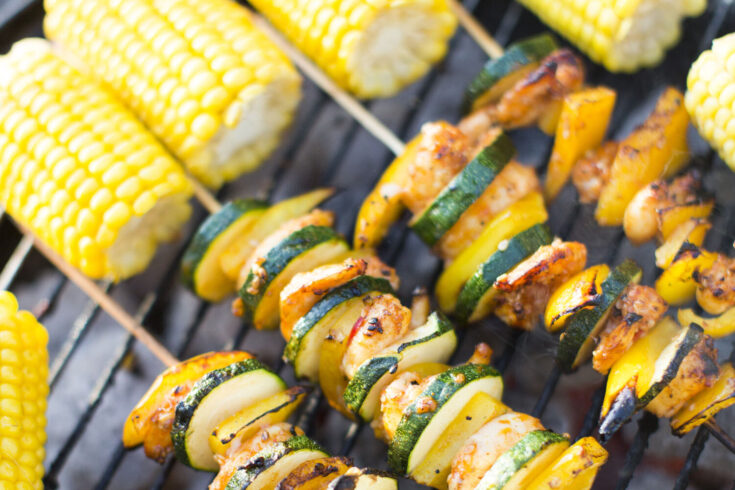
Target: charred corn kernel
{"points": [[182, 67], [710, 96], [623, 36], [23, 392], [76, 192], [371, 48]]}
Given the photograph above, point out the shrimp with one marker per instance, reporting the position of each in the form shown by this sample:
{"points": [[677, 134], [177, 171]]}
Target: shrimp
{"points": [[382, 322], [525, 289], [513, 183], [378, 268], [716, 285], [394, 399], [592, 172], [486, 445], [637, 310]]}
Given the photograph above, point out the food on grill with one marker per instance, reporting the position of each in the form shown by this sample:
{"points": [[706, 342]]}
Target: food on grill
{"points": [[677, 284], [372, 49], [24, 377], [226, 412], [591, 172], [623, 36], [717, 327], [716, 285], [200, 76], [709, 96], [79, 170], [706, 403]]}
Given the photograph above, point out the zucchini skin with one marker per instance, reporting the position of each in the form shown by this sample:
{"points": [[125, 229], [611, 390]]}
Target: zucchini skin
{"points": [[463, 190], [186, 408], [280, 256], [208, 232], [413, 422], [367, 375], [519, 248], [354, 288], [584, 322]]}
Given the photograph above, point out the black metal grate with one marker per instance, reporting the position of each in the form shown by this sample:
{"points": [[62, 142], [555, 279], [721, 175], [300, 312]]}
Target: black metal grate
{"points": [[98, 372]]}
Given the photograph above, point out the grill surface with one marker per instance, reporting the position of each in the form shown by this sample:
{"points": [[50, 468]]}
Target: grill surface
{"points": [[98, 372]]}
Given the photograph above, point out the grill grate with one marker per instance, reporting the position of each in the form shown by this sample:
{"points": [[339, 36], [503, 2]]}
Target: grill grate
{"points": [[95, 379]]}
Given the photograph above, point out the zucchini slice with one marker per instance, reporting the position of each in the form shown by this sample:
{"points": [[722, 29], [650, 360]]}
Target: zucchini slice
{"points": [[575, 469], [463, 190], [475, 299], [578, 340], [302, 251], [233, 259], [517, 467], [419, 429], [215, 397], [499, 75], [434, 469], [245, 423], [200, 265], [273, 464], [434, 341], [706, 403], [302, 349], [316, 474], [364, 479]]}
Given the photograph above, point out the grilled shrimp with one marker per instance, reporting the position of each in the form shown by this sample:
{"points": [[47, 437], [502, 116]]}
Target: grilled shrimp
{"points": [[531, 98], [378, 268], [513, 183], [486, 445], [716, 286], [382, 322], [307, 288], [394, 399], [317, 217], [239, 454], [592, 172], [442, 152], [525, 289], [637, 310], [698, 370]]}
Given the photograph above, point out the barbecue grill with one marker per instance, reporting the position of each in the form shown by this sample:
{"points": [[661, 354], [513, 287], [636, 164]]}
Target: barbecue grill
{"points": [[98, 372]]}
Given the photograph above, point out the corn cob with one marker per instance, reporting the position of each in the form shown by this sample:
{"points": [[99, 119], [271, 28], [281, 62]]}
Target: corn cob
{"points": [[203, 79], [79, 170], [621, 35], [23, 392], [371, 48], [710, 96]]}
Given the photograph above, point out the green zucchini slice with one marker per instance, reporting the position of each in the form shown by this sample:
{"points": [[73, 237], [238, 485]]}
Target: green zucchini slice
{"points": [[364, 479], [200, 267], [266, 469], [215, 397], [475, 298], [343, 306], [463, 190], [583, 327], [302, 251], [451, 390], [499, 75], [519, 465], [434, 341]]}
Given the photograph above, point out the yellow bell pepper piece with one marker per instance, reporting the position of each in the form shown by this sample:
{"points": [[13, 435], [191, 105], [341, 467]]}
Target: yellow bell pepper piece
{"points": [[693, 231], [676, 285], [717, 327], [583, 122], [575, 469], [706, 403], [577, 293], [670, 218]]}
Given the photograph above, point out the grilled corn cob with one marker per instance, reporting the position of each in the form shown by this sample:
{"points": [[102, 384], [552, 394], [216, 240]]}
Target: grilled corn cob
{"points": [[23, 374], [79, 170], [371, 48], [211, 86], [623, 36], [710, 95]]}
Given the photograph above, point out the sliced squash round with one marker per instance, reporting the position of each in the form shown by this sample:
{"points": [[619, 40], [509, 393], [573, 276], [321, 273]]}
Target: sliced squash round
{"points": [[364, 479], [315, 474], [200, 265], [575, 469], [579, 292], [706, 403], [216, 396]]}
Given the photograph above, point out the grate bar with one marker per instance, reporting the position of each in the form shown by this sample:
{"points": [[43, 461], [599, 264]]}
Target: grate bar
{"points": [[695, 450], [647, 425], [13, 265]]}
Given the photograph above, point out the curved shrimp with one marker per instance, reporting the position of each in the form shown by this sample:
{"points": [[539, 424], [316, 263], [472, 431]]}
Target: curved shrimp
{"points": [[592, 172], [394, 399], [716, 286]]}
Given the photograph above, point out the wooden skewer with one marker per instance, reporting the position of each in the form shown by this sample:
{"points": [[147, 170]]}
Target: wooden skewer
{"points": [[206, 198], [476, 31]]}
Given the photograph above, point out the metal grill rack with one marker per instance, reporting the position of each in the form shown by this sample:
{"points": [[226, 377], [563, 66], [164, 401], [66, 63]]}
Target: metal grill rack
{"points": [[98, 371]]}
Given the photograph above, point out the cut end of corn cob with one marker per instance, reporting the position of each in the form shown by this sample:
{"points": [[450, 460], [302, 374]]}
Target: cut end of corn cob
{"points": [[79, 170], [23, 378], [624, 36], [200, 75], [710, 97], [371, 48]]}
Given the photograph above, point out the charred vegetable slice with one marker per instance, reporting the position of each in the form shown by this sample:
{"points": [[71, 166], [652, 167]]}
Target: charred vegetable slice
{"points": [[301, 251], [364, 479], [706, 403], [578, 340], [580, 292], [676, 284], [315, 474], [575, 469], [499, 75], [463, 190], [692, 231], [214, 398], [430, 414], [717, 327], [200, 265]]}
